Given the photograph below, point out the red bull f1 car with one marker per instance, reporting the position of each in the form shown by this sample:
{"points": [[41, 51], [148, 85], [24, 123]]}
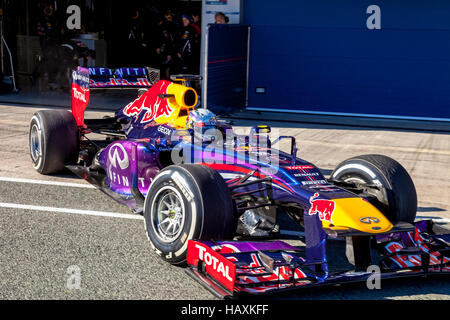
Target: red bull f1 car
{"points": [[212, 198]]}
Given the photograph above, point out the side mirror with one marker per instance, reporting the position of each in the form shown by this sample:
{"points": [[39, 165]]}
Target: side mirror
{"points": [[185, 79], [259, 137], [260, 129], [141, 91]]}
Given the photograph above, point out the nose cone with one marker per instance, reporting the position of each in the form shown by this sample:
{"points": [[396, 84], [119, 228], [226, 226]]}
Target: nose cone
{"points": [[357, 214]]}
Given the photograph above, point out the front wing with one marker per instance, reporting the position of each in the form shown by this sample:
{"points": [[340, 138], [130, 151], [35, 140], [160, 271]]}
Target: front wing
{"points": [[231, 268]]}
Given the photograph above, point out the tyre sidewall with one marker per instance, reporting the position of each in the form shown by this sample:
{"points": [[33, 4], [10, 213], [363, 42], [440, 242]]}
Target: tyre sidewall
{"points": [[58, 140], [396, 188], [39, 163], [175, 251], [369, 174]]}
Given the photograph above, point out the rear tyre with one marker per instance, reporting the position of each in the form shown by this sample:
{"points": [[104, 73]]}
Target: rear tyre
{"points": [[53, 140], [396, 197], [187, 202]]}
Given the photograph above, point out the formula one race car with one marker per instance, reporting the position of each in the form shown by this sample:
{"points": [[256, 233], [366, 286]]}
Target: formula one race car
{"points": [[211, 198]]}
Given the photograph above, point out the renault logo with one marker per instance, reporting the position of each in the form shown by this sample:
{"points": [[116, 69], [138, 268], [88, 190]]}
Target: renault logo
{"points": [[369, 220]]}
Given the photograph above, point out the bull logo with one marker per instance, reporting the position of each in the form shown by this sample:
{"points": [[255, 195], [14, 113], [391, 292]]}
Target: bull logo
{"points": [[324, 208], [150, 103], [115, 158]]}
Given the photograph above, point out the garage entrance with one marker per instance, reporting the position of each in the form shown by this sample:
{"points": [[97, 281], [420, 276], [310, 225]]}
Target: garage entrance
{"points": [[348, 58]]}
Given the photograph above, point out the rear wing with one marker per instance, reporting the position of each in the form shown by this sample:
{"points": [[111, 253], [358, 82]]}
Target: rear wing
{"points": [[86, 79], [122, 78]]}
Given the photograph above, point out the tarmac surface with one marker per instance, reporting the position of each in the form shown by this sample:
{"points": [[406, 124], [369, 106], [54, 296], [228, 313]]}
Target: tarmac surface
{"points": [[48, 224]]}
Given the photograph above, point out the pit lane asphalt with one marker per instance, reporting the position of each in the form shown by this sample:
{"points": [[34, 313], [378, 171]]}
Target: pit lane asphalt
{"points": [[114, 256]]}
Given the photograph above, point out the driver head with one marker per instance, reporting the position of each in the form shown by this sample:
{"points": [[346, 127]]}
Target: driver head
{"points": [[201, 118]]}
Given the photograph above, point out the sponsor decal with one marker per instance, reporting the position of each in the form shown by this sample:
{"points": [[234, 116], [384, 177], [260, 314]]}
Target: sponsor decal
{"points": [[326, 188], [299, 167], [81, 75], [183, 185], [100, 72], [314, 182], [323, 208], [219, 267], [130, 72], [114, 82], [118, 156], [309, 174], [79, 93], [150, 103], [118, 179], [369, 220], [105, 77], [213, 262], [165, 130]]}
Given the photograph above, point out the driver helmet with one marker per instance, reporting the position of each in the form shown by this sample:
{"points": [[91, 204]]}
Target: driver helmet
{"points": [[201, 118]]}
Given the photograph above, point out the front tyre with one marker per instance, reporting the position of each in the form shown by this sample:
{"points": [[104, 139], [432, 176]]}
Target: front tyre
{"points": [[53, 140], [187, 202], [395, 196]]}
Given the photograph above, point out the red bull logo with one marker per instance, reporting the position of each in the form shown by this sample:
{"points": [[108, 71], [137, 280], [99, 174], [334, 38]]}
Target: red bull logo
{"points": [[324, 208], [151, 103]]}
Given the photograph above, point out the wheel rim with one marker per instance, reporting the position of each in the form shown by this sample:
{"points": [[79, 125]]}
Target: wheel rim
{"points": [[168, 214], [356, 180], [35, 143], [380, 195]]}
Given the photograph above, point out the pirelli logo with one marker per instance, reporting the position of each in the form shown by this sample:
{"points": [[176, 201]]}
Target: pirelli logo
{"points": [[184, 187]]}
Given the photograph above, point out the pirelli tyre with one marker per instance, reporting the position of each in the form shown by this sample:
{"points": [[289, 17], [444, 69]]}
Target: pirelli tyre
{"points": [[394, 195], [187, 202], [53, 140]]}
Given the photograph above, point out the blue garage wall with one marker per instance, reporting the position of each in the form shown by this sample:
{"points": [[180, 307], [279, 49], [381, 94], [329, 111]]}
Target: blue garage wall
{"points": [[319, 56], [226, 67]]}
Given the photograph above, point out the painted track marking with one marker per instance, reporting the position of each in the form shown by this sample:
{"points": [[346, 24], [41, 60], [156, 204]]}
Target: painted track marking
{"points": [[46, 182], [71, 211], [111, 214]]}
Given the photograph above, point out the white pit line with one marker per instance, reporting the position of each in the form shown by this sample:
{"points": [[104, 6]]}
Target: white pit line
{"points": [[123, 215], [46, 182], [112, 214], [71, 211]]}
